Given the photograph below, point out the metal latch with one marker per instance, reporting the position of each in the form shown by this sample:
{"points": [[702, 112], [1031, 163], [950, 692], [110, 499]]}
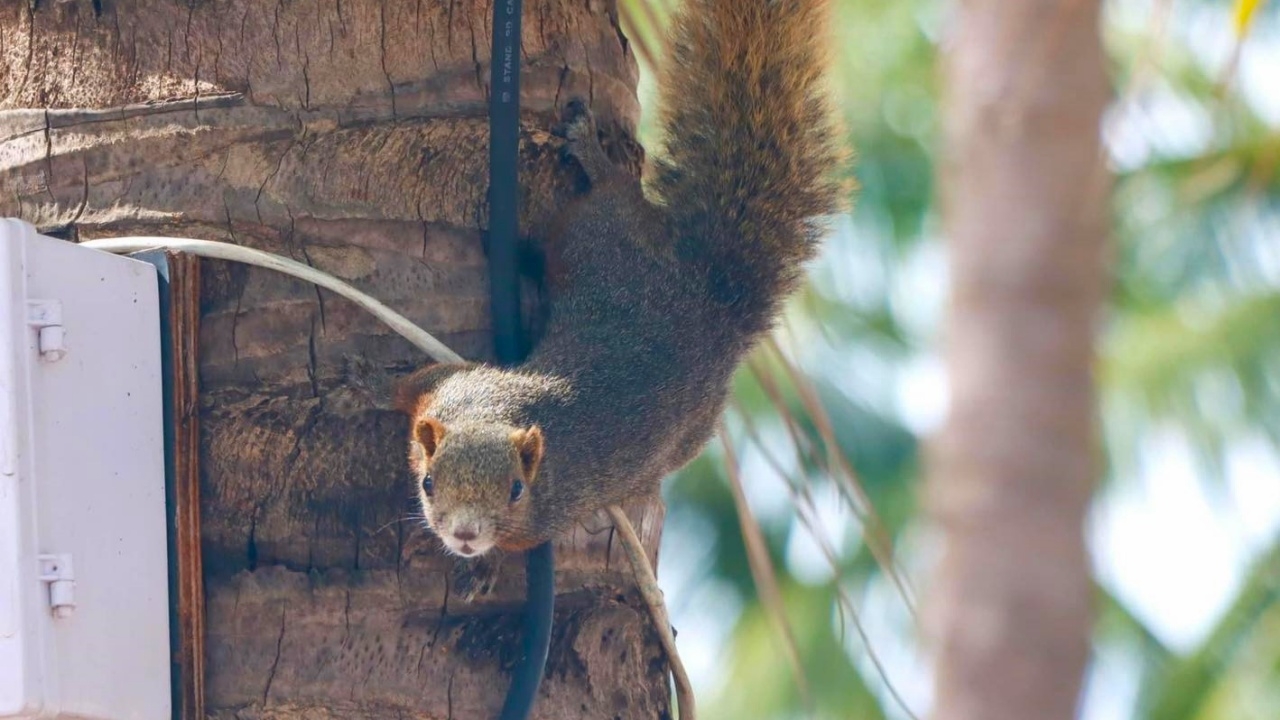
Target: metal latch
{"points": [[46, 317], [56, 571]]}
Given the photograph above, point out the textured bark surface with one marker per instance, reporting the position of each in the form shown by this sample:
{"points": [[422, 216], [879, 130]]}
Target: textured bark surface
{"points": [[350, 135], [1025, 213]]}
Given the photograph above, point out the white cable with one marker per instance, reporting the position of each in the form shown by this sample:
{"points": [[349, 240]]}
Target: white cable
{"points": [[226, 251]]}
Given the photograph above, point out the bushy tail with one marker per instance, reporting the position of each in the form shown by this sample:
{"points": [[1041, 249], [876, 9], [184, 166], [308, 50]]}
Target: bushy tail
{"points": [[752, 156]]}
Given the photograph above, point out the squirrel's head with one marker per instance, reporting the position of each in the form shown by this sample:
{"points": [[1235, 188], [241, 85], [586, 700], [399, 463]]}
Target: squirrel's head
{"points": [[475, 481]]}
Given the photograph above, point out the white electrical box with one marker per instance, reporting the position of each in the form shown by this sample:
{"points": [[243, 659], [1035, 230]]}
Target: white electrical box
{"points": [[84, 609]]}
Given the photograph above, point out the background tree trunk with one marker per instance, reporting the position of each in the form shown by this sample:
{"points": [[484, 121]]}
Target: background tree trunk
{"points": [[348, 134], [1024, 211]]}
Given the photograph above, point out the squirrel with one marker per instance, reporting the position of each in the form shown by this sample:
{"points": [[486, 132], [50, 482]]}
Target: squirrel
{"points": [[655, 299]]}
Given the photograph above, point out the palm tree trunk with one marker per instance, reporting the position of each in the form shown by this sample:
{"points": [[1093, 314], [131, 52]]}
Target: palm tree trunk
{"points": [[1024, 208], [350, 135]]}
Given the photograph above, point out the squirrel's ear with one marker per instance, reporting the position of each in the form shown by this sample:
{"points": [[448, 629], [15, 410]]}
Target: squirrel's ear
{"points": [[428, 433], [529, 447]]}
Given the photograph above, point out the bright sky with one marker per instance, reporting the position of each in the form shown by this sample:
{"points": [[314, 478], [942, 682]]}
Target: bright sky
{"points": [[1176, 554]]}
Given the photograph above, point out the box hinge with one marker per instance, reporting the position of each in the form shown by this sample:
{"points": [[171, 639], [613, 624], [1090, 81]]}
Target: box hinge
{"points": [[46, 317], [57, 572]]}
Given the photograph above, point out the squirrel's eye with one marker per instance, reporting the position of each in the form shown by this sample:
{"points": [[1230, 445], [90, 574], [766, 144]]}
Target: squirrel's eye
{"points": [[428, 486], [517, 489]]}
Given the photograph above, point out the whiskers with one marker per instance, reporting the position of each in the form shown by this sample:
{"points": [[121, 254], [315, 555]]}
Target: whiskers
{"points": [[419, 516], [508, 527]]}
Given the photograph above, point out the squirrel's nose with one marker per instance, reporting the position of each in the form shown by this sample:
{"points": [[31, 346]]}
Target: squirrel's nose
{"points": [[465, 534]]}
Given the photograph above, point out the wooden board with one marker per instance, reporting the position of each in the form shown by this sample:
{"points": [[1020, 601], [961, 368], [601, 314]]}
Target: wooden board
{"points": [[179, 280]]}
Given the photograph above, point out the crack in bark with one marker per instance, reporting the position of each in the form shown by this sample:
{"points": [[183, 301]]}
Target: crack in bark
{"points": [[275, 34], [186, 41], [306, 257], [271, 677], [342, 21], [279, 163], [302, 434], [217, 55], [253, 53], [235, 316], [31, 49], [449, 696], [449, 35], [346, 617], [422, 655], [560, 83], [382, 55], [615, 20], [431, 42], [302, 52], [306, 82], [311, 358], [48, 154], [475, 58], [75, 51]]}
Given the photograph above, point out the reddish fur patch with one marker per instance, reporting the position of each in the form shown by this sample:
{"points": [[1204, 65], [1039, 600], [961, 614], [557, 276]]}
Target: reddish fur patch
{"points": [[428, 433], [529, 447]]}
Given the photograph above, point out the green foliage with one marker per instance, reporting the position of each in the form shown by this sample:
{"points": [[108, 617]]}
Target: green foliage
{"points": [[753, 664]]}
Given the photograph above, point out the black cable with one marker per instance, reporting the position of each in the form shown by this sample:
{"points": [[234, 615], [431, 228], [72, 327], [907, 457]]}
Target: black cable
{"points": [[540, 601], [504, 298], [504, 149]]}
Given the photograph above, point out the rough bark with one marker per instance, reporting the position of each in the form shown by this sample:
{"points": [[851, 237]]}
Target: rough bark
{"points": [[348, 134], [1024, 210]]}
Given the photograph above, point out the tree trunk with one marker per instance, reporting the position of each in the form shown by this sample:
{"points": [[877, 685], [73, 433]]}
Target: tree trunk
{"points": [[350, 135], [1024, 203]]}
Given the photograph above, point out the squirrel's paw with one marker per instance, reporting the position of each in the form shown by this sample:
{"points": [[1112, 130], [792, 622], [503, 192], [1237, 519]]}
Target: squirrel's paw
{"points": [[474, 579], [576, 121], [578, 128]]}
